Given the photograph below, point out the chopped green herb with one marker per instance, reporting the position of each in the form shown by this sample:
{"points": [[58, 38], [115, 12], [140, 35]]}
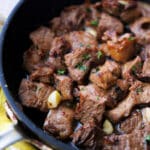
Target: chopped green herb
{"points": [[81, 44], [80, 66], [61, 71], [147, 138], [97, 97], [88, 46], [88, 10], [99, 54], [86, 56], [94, 23], [136, 68], [139, 90], [131, 38]]}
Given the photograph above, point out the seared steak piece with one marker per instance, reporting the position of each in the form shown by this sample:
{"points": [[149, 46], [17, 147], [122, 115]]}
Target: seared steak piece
{"points": [[130, 15], [123, 85], [110, 23], [91, 105], [145, 53], [71, 19], [80, 60], [59, 46], [42, 74], [132, 123], [82, 40], [64, 84], [131, 69], [55, 63], [32, 59], [42, 38], [133, 141], [139, 94], [123, 48], [146, 68], [34, 94], [59, 122], [88, 136], [115, 7], [106, 75], [142, 30]]}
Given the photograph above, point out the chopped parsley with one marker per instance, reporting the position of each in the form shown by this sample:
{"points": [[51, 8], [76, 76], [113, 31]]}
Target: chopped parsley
{"points": [[82, 67], [82, 89], [86, 56], [88, 10], [99, 54], [94, 23], [147, 138], [88, 46], [139, 90], [97, 98], [61, 71], [81, 44], [131, 38], [135, 68]]}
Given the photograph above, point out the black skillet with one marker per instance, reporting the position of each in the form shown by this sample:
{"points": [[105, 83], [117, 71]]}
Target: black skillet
{"points": [[26, 16]]}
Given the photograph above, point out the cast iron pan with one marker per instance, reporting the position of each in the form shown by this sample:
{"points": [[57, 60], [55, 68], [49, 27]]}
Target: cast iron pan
{"points": [[26, 17]]}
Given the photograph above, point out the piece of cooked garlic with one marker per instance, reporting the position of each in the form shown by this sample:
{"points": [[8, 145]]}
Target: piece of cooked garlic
{"points": [[108, 127], [146, 115], [54, 99], [123, 2], [91, 31]]}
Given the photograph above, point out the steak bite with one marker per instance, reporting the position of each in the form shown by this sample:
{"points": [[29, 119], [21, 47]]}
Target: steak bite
{"points": [[115, 7], [132, 123], [59, 46], [71, 19], [82, 40], [139, 94], [109, 23], [123, 49], [32, 59], [145, 53], [42, 74], [34, 94], [141, 30], [107, 75], [59, 122], [133, 141], [64, 84], [88, 136], [146, 68], [91, 105], [42, 38], [80, 61], [132, 69]]}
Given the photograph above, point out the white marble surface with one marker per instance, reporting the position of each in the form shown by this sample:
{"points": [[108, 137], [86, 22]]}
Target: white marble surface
{"points": [[6, 7]]}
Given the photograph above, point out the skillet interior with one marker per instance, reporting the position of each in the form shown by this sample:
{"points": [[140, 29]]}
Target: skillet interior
{"points": [[25, 18]]}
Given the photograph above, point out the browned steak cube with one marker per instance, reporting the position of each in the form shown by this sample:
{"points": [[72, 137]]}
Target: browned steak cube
{"points": [[131, 69], [59, 47], [91, 105], [106, 76], [133, 141], [34, 94], [88, 136], [42, 74], [32, 59], [139, 94], [59, 122], [110, 23], [82, 40], [42, 38], [64, 84], [132, 123]]}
